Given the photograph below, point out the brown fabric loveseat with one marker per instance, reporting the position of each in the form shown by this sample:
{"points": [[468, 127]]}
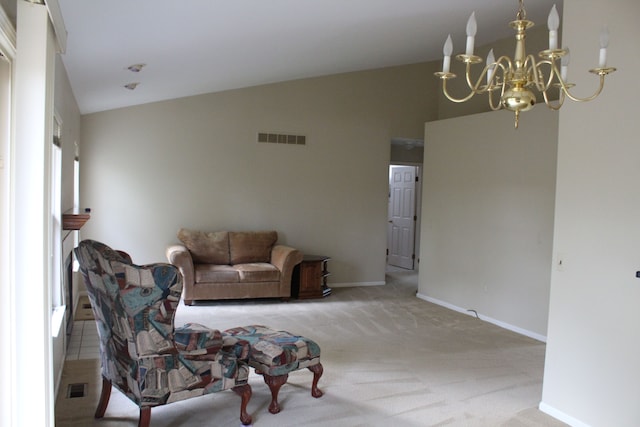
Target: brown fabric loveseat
{"points": [[233, 265]]}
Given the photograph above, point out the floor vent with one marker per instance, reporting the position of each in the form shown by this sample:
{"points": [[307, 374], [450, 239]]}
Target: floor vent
{"points": [[281, 138], [86, 306], [76, 390]]}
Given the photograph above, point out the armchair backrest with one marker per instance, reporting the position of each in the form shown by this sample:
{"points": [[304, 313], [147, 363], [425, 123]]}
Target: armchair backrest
{"points": [[134, 307]]}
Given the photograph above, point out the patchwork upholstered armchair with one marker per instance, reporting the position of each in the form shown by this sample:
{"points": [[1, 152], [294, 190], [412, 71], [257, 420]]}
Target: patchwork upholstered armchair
{"points": [[143, 355]]}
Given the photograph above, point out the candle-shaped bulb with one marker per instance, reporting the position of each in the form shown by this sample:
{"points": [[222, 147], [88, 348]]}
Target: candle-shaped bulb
{"points": [[553, 22], [604, 43], [447, 50], [448, 46], [604, 37], [564, 64], [490, 63], [472, 28], [491, 58]]}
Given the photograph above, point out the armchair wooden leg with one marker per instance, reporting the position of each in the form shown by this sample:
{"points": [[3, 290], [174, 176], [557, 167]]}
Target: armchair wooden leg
{"points": [[104, 398], [274, 384], [244, 391], [145, 417], [317, 373]]}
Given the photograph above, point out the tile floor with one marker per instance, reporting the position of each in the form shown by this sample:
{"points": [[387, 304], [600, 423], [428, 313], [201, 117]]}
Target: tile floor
{"points": [[83, 343]]}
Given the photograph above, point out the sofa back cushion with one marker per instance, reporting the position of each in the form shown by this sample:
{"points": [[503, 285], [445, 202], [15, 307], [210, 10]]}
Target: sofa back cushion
{"points": [[251, 246], [206, 247]]}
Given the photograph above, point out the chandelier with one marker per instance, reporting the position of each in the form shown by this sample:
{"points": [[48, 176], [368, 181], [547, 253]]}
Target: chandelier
{"points": [[514, 78]]}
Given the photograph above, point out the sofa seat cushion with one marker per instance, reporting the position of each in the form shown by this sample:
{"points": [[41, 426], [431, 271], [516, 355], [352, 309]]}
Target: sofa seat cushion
{"points": [[212, 273], [257, 272], [240, 273]]}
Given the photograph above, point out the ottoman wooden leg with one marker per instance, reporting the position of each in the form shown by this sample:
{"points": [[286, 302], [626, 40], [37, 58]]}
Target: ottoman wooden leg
{"points": [[244, 391], [274, 384], [317, 373]]}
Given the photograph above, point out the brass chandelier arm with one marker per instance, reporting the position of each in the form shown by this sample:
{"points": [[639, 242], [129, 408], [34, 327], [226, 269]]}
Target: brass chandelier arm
{"points": [[553, 72], [467, 75], [475, 88], [538, 75], [565, 90], [451, 98], [548, 102], [505, 68], [503, 64], [491, 104], [492, 86], [478, 87]]}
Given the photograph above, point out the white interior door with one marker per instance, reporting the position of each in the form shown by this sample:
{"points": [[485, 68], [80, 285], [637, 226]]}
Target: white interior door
{"points": [[402, 216]]}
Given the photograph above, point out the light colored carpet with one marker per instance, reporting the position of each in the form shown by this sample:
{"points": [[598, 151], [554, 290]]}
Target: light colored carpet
{"points": [[390, 359]]}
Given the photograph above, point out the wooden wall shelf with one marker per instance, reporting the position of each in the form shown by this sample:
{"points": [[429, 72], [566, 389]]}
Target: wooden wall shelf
{"points": [[74, 221]]}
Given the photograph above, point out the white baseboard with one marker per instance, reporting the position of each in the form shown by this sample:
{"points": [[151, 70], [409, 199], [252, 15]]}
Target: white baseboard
{"points": [[496, 322], [559, 415], [354, 284]]}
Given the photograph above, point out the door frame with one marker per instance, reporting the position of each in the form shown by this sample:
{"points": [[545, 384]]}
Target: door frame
{"points": [[418, 200]]}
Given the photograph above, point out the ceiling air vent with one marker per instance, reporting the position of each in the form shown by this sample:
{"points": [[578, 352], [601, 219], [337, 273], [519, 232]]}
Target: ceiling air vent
{"points": [[281, 138]]}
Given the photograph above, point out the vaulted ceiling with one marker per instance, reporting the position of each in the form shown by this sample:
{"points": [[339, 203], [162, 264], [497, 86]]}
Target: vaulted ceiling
{"points": [[191, 47]]}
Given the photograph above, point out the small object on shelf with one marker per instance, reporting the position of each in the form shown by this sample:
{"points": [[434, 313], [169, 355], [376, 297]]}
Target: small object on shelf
{"points": [[310, 278]]}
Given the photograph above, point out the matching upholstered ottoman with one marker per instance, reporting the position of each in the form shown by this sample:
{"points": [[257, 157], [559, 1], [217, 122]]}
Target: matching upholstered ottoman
{"points": [[274, 354]]}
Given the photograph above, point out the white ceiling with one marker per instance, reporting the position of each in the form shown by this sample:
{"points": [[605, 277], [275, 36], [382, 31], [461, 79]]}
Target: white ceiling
{"points": [[200, 46]]}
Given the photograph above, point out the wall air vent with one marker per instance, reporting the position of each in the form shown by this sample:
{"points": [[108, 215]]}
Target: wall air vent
{"points": [[281, 138], [76, 390]]}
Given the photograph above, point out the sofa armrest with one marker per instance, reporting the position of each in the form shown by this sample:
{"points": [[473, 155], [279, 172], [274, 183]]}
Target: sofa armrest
{"points": [[285, 258], [180, 256]]}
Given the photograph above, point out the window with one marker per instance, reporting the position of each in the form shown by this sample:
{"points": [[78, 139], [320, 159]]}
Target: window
{"points": [[57, 274], [76, 199]]}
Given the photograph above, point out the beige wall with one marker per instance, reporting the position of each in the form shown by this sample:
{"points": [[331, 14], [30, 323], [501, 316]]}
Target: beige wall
{"points": [[592, 371], [487, 218], [194, 162]]}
